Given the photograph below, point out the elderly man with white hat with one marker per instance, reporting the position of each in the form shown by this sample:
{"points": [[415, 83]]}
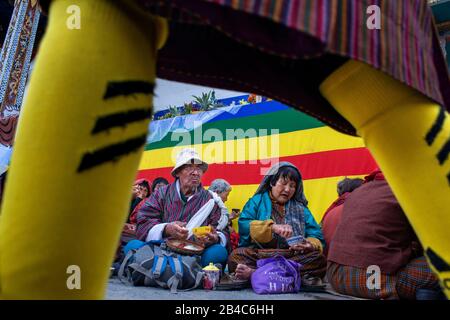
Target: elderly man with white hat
{"points": [[173, 210]]}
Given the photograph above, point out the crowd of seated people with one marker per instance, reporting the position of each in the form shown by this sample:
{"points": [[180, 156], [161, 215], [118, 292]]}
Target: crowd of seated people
{"points": [[363, 228]]}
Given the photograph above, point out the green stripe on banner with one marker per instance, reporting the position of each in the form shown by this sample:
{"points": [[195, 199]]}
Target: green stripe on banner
{"points": [[291, 120]]}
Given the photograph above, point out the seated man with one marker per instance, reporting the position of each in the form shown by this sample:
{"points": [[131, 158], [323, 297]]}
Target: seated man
{"points": [[275, 213], [374, 231], [168, 210]]}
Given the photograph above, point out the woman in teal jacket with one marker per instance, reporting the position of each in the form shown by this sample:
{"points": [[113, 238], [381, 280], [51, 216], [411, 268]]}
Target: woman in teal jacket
{"points": [[277, 212]]}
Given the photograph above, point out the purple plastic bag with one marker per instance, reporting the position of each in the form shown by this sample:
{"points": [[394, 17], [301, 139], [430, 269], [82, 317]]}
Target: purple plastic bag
{"points": [[276, 275]]}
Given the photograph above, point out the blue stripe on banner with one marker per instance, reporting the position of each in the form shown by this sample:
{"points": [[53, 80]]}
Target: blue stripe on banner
{"points": [[252, 110]]}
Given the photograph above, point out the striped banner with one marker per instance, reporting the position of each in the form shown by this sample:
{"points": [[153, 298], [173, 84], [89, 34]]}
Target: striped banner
{"points": [[242, 143]]}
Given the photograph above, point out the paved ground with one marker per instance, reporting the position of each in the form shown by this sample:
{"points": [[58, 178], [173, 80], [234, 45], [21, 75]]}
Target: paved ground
{"points": [[119, 291]]}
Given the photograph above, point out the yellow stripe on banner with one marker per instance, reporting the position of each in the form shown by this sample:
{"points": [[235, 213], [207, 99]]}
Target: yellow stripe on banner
{"points": [[321, 193], [263, 147]]}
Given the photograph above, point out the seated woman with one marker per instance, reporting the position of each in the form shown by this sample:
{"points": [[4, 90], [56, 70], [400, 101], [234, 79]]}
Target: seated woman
{"points": [[223, 189], [276, 212], [159, 183]]}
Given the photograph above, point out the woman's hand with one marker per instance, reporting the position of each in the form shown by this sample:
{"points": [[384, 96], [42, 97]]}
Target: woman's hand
{"points": [[303, 247], [283, 230]]}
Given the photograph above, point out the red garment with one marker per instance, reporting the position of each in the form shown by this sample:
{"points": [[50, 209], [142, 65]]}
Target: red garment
{"points": [[373, 230], [375, 175], [234, 239], [335, 204], [133, 216], [329, 225]]}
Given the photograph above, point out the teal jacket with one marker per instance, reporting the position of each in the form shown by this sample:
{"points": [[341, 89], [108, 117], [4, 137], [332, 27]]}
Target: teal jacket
{"points": [[259, 207]]}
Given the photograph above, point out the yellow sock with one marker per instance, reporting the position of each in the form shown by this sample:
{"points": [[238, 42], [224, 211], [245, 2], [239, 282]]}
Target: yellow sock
{"points": [[408, 135], [78, 145]]}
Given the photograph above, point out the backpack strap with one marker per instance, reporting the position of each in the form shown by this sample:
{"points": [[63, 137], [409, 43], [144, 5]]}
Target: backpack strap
{"points": [[141, 269], [198, 277], [159, 265], [121, 273], [177, 270]]}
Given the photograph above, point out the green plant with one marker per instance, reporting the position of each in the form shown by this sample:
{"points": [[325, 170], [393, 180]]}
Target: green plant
{"points": [[207, 101], [188, 107], [174, 111], [204, 101]]}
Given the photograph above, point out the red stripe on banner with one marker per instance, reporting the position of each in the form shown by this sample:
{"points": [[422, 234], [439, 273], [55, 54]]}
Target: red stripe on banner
{"points": [[344, 162]]}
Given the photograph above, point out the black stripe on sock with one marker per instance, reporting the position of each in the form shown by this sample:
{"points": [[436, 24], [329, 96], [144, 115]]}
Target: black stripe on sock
{"points": [[121, 119], [436, 128], [126, 88], [440, 264], [111, 153], [443, 154]]}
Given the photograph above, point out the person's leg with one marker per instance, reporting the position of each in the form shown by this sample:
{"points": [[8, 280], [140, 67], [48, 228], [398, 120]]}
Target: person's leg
{"points": [[243, 262], [416, 275], [77, 149], [314, 264], [408, 135], [245, 256], [352, 281], [215, 254]]}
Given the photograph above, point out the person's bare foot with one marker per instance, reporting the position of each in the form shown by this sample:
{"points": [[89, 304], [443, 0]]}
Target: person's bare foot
{"points": [[243, 272]]}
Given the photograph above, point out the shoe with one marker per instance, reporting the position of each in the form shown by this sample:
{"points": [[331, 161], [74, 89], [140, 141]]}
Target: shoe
{"points": [[230, 282], [114, 270], [312, 284]]}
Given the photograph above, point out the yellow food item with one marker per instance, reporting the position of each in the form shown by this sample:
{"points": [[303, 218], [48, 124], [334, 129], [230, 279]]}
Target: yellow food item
{"points": [[202, 231]]}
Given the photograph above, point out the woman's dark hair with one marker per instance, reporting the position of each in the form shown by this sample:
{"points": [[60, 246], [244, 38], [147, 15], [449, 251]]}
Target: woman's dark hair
{"points": [[159, 180], [348, 185], [286, 173]]}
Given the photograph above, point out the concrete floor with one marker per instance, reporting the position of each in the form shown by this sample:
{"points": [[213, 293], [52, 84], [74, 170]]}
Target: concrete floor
{"points": [[120, 291]]}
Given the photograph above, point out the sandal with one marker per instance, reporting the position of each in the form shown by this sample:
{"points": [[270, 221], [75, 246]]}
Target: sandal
{"points": [[312, 284], [230, 282]]}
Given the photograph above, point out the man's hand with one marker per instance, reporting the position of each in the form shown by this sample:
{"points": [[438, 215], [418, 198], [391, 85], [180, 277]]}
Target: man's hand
{"points": [[283, 230], [303, 247], [209, 239], [176, 230]]}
